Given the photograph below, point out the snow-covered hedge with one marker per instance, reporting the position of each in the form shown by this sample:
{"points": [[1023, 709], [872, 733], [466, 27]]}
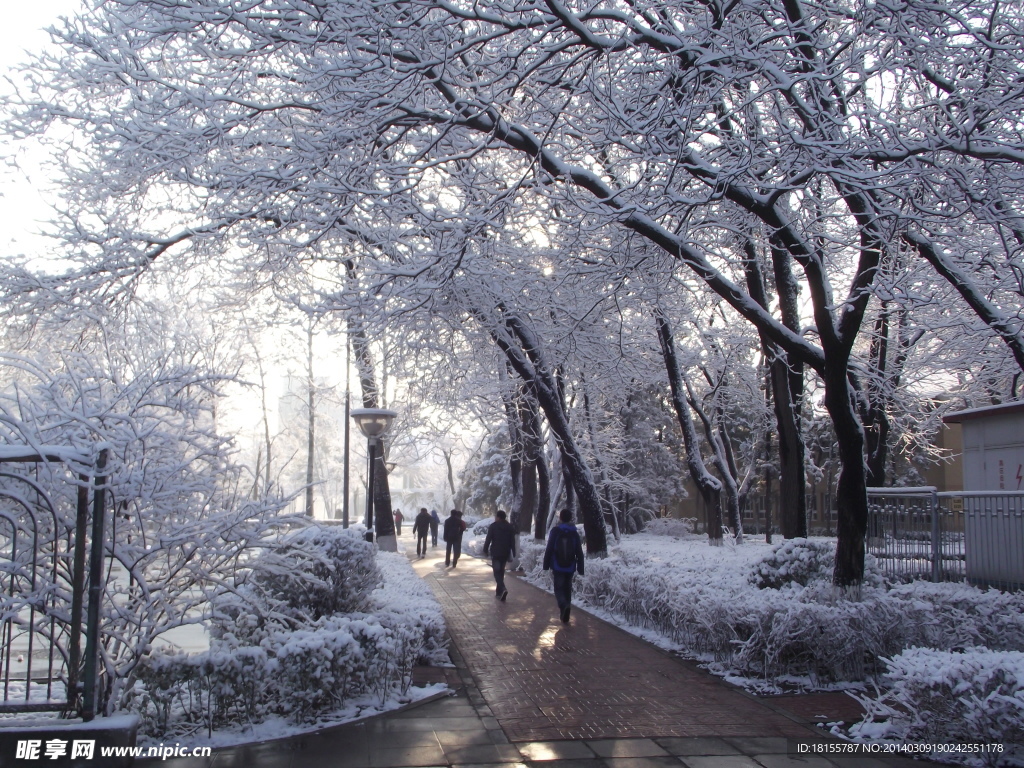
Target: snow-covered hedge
{"points": [[703, 601], [679, 528], [269, 656], [973, 696]]}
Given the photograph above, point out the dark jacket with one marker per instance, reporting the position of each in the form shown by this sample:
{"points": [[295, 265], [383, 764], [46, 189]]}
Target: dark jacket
{"points": [[421, 525], [501, 540], [549, 554], [454, 528]]}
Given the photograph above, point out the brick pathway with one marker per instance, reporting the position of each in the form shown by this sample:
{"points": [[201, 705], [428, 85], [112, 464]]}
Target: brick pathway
{"points": [[546, 681]]}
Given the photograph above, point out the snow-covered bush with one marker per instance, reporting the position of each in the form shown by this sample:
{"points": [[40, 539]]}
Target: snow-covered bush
{"points": [[704, 601], [274, 663], [402, 598], [803, 561], [315, 572], [795, 561], [974, 696], [678, 528]]}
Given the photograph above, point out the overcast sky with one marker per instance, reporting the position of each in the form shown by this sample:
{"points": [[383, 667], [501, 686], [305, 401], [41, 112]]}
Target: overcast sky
{"points": [[21, 207]]}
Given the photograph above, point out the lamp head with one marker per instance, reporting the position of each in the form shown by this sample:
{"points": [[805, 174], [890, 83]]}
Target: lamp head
{"points": [[373, 422]]}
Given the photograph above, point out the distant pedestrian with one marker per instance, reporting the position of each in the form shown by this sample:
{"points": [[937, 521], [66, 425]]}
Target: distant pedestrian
{"points": [[564, 557], [500, 544], [454, 527], [420, 528], [435, 521], [399, 517]]}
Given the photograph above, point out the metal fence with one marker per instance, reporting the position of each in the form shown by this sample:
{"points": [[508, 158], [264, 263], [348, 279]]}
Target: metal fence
{"points": [[43, 596], [920, 533]]}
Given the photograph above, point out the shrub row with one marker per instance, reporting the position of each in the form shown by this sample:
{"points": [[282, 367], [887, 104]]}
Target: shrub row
{"points": [[279, 646], [804, 628]]}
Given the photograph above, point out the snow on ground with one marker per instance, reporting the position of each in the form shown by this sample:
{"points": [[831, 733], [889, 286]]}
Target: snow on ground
{"points": [[276, 727]]}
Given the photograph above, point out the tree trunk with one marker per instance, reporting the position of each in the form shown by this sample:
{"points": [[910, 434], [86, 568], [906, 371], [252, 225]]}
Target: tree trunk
{"points": [[383, 515], [707, 484], [311, 411], [786, 382], [523, 350], [543, 495], [528, 419], [515, 457], [768, 490], [851, 496]]}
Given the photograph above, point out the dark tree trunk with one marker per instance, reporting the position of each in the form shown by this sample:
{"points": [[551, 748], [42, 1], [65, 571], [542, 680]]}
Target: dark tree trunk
{"points": [[768, 490], [538, 465], [528, 504], [311, 422], [851, 498], [786, 382], [543, 496], [529, 422], [709, 487], [874, 416], [383, 515], [515, 457], [524, 354]]}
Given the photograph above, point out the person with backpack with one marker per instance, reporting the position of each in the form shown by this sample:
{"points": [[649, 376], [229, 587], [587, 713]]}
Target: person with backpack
{"points": [[500, 544], [420, 527], [454, 527], [564, 557]]}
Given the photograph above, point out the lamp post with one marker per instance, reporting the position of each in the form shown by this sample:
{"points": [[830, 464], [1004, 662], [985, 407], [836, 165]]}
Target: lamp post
{"points": [[372, 422]]}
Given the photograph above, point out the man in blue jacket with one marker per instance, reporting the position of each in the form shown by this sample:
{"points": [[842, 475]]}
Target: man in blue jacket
{"points": [[564, 557]]}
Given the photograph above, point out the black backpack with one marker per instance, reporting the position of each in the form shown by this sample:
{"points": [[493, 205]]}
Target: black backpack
{"points": [[565, 549]]}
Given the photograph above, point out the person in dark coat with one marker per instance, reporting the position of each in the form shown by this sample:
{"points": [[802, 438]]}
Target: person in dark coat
{"points": [[500, 544], [435, 521], [399, 517], [420, 528], [454, 527], [564, 557]]}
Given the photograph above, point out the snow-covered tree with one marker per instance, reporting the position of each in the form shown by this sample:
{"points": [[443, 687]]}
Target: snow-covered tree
{"points": [[831, 137]]}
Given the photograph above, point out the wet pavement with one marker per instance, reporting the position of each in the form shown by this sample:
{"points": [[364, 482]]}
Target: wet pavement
{"points": [[531, 691]]}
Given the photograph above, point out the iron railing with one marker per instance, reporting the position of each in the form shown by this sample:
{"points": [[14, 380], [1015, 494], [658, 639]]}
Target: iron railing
{"points": [[921, 533], [43, 586]]}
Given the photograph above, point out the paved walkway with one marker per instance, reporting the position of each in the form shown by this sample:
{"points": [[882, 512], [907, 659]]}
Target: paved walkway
{"points": [[531, 691]]}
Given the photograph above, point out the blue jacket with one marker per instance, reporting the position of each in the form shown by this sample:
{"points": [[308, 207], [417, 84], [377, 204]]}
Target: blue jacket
{"points": [[549, 553]]}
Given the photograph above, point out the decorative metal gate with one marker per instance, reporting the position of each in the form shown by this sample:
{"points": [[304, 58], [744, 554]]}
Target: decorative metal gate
{"points": [[43, 581]]}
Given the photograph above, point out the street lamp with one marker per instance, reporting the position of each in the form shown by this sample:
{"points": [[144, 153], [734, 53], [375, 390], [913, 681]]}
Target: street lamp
{"points": [[372, 422]]}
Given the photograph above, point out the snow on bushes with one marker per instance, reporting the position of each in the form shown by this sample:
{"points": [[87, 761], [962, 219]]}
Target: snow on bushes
{"points": [[316, 572], [703, 602], [284, 645], [973, 696], [802, 561], [679, 528]]}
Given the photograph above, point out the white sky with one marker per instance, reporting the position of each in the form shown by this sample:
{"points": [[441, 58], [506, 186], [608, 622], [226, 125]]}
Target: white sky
{"points": [[22, 209]]}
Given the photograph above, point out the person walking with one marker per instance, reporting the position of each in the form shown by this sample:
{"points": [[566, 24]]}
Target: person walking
{"points": [[454, 527], [500, 544], [435, 521], [420, 527], [564, 557], [399, 517]]}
